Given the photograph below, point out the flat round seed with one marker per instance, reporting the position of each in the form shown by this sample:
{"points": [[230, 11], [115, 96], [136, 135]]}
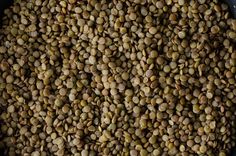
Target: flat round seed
{"points": [[9, 79], [182, 34], [11, 109], [3, 49], [132, 16], [62, 91], [203, 149], [153, 30], [159, 4], [181, 2], [20, 41]]}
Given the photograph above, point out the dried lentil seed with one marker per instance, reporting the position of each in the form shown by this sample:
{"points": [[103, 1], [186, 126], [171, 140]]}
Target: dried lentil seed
{"points": [[153, 62]]}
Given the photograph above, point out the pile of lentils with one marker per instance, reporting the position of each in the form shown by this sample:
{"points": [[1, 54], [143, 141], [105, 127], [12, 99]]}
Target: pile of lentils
{"points": [[118, 78]]}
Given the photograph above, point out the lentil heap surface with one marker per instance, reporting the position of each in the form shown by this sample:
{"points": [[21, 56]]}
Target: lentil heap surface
{"points": [[136, 77]]}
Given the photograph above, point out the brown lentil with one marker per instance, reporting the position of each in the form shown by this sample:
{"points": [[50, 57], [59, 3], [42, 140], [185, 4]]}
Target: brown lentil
{"points": [[141, 77]]}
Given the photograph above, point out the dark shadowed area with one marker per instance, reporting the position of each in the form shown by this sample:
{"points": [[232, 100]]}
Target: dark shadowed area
{"points": [[4, 4], [232, 5]]}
